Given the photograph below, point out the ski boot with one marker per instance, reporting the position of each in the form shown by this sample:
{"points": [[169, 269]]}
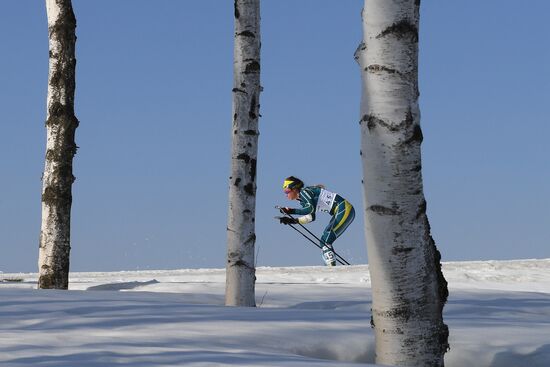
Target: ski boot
{"points": [[328, 256]]}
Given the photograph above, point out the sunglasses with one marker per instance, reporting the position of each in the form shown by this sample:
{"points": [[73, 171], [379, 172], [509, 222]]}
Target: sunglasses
{"points": [[286, 191]]}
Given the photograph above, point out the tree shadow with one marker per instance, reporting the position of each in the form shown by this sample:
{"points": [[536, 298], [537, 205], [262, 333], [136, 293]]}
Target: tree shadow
{"points": [[165, 358], [121, 286], [537, 358]]}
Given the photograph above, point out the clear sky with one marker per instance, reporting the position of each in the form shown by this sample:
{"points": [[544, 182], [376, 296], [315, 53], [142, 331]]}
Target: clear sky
{"points": [[153, 98]]}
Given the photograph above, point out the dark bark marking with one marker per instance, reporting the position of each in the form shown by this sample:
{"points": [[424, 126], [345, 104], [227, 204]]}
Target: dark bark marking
{"points": [[234, 258], [234, 90], [252, 170], [362, 47], [416, 136], [443, 290], [252, 110], [380, 68], [252, 67], [245, 157], [409, 119], [249, 189], [237, 182], [443, 295], [401, 29], [245, 265], [237, 14], [56, 277], [402, 312], [421, 209], [51, 281], [241, 263], [251, 239], [247, 34], [401, 250], [372, 121], [59, 196], [382, 210]]}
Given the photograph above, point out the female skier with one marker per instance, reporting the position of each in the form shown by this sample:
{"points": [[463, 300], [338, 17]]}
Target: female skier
{"points": [[317, 198]]}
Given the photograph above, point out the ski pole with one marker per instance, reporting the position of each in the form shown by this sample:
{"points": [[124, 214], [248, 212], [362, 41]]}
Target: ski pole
{"points": [[314, 236], [315, 243], [340, 259]]}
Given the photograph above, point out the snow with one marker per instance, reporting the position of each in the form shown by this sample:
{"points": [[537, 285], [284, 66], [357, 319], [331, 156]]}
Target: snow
{"points": [[498, 314]]}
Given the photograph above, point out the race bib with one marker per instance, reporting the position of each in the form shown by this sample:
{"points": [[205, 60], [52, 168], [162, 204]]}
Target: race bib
{"points": [[326, 199]]}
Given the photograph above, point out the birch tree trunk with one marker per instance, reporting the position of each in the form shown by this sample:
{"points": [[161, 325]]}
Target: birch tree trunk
{"points": [[61, 124], [241, 237], [409, 290]]}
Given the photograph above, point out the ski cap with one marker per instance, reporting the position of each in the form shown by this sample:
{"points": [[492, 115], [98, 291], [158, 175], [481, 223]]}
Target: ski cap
{"points": [[292, 182]]}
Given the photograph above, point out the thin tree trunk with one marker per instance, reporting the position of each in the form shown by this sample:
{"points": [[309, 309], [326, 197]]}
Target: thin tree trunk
{"points": [[61, 124], [409, 290], [241, 237]]}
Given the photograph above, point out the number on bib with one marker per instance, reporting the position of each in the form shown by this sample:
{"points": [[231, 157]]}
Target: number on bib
{"points": [[325, 201]]}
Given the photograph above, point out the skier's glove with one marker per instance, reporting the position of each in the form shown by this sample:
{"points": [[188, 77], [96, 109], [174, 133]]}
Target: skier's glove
{"points": [[288, 220]]}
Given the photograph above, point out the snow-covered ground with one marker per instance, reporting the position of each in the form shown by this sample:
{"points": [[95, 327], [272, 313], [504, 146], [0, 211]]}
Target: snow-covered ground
{"points": [[498, 314]]}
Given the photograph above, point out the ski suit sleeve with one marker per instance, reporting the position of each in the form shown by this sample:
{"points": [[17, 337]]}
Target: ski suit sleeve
{"points": [[307, 211]]}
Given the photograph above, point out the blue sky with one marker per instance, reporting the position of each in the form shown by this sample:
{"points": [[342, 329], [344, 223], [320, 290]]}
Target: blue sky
{"points": [[153, 98]]}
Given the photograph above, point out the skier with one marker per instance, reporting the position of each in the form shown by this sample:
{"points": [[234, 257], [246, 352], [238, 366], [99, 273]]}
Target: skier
{"points": [[317, 198]]}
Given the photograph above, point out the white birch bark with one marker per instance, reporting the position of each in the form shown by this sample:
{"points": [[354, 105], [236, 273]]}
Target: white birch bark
{"points": [[241, 237], [61, 124], [409, 290]]}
